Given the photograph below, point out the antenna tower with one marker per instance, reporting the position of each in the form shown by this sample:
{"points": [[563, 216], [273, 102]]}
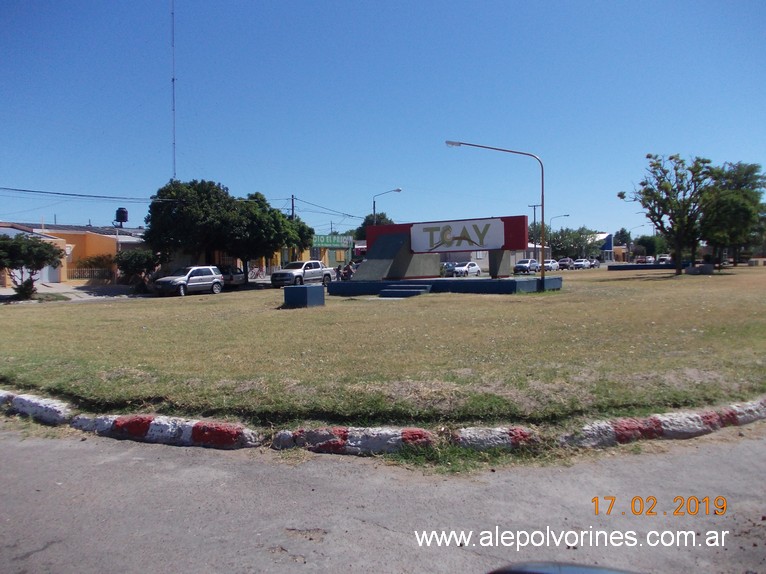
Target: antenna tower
{"points": [[173, 77]]}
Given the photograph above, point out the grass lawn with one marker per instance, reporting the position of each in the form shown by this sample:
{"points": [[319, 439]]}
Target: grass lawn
{"points": [[609, 343]]}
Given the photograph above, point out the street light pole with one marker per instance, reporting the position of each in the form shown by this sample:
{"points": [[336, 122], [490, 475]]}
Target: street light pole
{"points": [[374, 213], [542, 191], [534, 224], [555, 217]]}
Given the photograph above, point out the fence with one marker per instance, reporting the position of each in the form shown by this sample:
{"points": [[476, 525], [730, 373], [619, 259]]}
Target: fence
{"points": [[89, 273]]}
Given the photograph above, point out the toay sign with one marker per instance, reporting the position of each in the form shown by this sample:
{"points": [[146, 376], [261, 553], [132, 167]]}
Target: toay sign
{"points": [[464, 235]]}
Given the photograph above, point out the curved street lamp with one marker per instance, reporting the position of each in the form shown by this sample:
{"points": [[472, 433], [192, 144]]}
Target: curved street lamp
{"points": [[374, 214], [542, 192], [556, 217]]}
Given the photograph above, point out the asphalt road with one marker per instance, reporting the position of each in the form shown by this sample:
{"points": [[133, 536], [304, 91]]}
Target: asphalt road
{"points": [[85, 504]]}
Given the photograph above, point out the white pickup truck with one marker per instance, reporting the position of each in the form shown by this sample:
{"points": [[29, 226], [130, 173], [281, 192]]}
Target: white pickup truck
{"points": [[300, 272]]}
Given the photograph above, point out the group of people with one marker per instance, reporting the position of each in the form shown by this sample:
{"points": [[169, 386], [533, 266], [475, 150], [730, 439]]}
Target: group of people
{"points": [[344, 273]]}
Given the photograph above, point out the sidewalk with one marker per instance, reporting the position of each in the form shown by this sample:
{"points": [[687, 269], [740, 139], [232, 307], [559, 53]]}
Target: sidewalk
{"points": [[74, 290]]}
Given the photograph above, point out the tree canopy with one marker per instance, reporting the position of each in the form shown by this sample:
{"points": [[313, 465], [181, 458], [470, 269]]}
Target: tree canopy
{"points": [[690, 202], [194, 218], [732, 207], [369, 220], [671, 193], [201, 217]]}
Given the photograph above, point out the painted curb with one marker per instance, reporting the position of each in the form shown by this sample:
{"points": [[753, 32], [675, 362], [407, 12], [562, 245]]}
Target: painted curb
{"points": [[378, 440], [508, 438], [48, 411], [352, 440], [670, 426], [170, 430]]}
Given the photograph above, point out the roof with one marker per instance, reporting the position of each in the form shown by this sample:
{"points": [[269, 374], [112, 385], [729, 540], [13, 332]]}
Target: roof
{"points": [[101, 230]]}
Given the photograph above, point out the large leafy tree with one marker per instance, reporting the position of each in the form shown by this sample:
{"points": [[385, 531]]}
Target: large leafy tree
{"points": [[381, 218], [299, 235], [621, 237], [25, 257], [258, 230], [731, 209], [193, 217], [576, 243], [672, 194]]}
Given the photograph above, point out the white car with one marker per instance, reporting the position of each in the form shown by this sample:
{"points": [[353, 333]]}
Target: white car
{"points": [[581, 264], [551, 265], [467, 268]]}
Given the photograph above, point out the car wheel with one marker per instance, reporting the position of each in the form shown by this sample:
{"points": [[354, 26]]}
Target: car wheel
{"points": [[299, 280], [326, 280], [216, 288], [182, 290]]}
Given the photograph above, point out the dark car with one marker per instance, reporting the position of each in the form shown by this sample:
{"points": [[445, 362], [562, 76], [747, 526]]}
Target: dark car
{"points": [[566, 263], [448, 269], [232, 276]]}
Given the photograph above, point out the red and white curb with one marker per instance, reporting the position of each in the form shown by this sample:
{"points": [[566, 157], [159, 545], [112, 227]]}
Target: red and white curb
{"points": [[672, 426], [507, 438], [376, 440], [170, 430], [352, 440]]}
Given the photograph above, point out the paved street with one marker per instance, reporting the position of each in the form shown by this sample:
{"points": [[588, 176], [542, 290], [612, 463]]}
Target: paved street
{"points": [[89, 504]]}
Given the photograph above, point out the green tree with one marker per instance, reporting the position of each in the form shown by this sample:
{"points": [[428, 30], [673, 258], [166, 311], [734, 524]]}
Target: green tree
{"points": [[672, 195], [361, 232], [25, 257], [652, 244], [621, 237], [575, 243], [731, 210], [299, 236], [193, 217], [258, 230]]}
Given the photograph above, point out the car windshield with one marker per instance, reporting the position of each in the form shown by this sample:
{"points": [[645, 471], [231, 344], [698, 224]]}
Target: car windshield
{"points": [[463, 264], [294, 265], [180, 272]]}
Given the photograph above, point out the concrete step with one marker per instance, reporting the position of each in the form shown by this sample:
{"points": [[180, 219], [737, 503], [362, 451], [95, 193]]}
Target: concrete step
{"points": [[405, 290]]}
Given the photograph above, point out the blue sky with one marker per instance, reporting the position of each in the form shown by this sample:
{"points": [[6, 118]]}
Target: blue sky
{"points": [[337, 101]]}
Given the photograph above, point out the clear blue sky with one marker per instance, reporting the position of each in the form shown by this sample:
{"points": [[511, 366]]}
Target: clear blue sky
{"points": [[337, 101]]}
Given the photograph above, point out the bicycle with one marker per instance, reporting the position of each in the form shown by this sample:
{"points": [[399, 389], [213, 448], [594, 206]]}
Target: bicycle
{"points": [[257, 273]]}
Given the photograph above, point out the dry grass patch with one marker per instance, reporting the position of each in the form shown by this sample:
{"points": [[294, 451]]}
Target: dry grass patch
{"points": [[609, 342]]}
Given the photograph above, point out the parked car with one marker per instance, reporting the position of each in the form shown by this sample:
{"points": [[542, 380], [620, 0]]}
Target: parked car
{"points": [[195, 279], [566, 263], [448, 269], [650, 260], [665, 259], [232, 276], [641, 259], [300, 272], [467, 268], [594, 263], [551, 265], [526, 266], [581, 264]]}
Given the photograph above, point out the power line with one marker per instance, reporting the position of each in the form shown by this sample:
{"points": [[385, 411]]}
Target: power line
{"points": [[80, 195]]}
